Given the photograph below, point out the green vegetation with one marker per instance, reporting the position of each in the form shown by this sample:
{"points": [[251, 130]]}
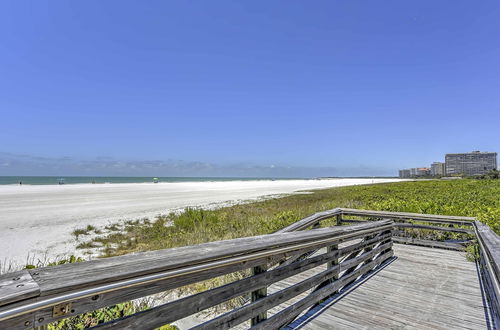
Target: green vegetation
{"points": [[472, 252], [86, 231], [99, 316], [479, 198], [113, 227], [70, 260], [491, 175]]}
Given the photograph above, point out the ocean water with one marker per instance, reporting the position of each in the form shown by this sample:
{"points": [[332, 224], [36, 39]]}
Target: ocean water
{"points": [[37, 180]]}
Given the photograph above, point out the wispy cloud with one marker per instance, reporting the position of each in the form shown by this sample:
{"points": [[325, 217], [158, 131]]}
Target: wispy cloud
{"points": [[15, 164]]}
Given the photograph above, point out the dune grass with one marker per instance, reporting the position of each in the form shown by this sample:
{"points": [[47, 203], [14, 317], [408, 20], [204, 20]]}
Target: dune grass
{"points": [[479, 198]]}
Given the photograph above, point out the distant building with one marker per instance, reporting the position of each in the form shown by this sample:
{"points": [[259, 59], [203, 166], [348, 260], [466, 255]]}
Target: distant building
{"points": [[404, 174], [414, 172], [471, 163], [422, 171], [438, 169]]}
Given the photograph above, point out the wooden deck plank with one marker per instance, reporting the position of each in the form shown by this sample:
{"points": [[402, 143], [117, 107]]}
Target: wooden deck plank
{"points": [[422, 288]]}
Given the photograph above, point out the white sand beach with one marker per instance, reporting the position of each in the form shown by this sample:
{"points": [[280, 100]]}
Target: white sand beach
{"points": [[38, 220]]}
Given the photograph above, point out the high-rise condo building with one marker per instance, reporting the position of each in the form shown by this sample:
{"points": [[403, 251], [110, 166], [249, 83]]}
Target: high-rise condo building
{"points": [[404, 174], [438, 169], [471, 163]]}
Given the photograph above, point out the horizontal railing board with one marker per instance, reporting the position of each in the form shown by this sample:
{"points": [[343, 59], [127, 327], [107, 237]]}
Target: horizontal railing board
{"points": [[491, 289], [288, 314], [489, 259], [428, 243], [84, 304], [17, 286], [354, 221], [419, 226], [400, 220], [282, 242], [310, 220], [132, 293], [246, 312], [491, 243], [87, 304], [175, 310], [361, 245], [439, 228], [467, 221], [71, 276]]}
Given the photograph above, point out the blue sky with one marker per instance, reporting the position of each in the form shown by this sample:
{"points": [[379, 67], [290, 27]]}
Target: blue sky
{"points": [[306, 84]]}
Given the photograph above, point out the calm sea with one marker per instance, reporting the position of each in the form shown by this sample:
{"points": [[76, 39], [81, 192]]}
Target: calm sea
{"points": [[112, 179]]}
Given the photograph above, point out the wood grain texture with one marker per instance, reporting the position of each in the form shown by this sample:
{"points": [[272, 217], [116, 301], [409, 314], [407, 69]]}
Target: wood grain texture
{"points": [[489, 258], [310, 220], [419, 226], [438, 228], [187, 265], [491, 242], [422, 289], [290, 313], [445, 219], [429, 243], [17, 286], [73, 276], [189, 305], [242, 314]]}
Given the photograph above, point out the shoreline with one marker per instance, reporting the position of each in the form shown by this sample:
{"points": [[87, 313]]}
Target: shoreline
{"points": [[37, 220], [162, 180]]}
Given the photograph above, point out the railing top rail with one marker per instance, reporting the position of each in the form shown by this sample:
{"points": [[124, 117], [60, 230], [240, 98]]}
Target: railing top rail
{"points": [[310, 220], [490, 243], [317, 217], [407, 215], [71, 281]]}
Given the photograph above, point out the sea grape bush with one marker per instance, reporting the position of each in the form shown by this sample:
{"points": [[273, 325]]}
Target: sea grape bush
{"points": [[474, 198]]}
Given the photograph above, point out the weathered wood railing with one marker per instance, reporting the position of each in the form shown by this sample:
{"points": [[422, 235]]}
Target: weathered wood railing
{"points": [[33, 298], [488, 249], [429, 222], [40, 296], [487, 243]]}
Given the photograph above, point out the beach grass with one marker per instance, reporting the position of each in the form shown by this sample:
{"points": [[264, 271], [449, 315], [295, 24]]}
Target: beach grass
{"points": [[477, 198]]}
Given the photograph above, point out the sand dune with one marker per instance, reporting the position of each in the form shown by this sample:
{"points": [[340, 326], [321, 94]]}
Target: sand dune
{"points": [[39, 219]]}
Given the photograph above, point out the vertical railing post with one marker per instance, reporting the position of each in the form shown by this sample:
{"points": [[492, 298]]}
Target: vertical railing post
{"points": [[334, 262], [259, 294], [369, 248]]}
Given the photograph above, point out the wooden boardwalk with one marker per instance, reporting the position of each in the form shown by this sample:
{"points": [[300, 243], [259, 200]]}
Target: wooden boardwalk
{"points": [[292, 275], [421, 288]]}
